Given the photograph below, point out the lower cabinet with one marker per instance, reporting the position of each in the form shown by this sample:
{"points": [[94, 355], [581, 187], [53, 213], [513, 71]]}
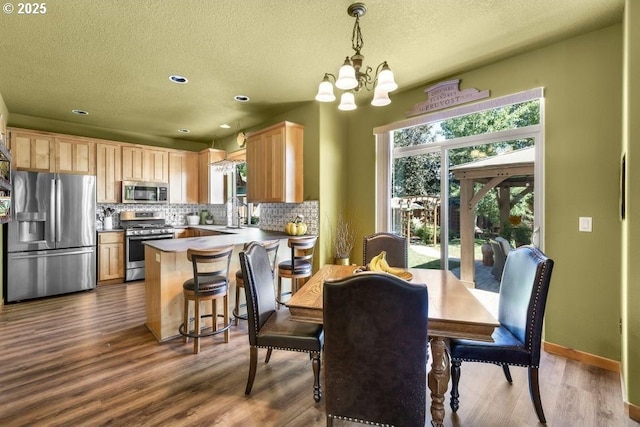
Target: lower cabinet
{"points": [[110, 257], [182, 233]]}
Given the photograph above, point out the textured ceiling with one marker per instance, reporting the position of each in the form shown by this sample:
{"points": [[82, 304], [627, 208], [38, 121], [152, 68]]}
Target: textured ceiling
{"points": [[113, 58]]}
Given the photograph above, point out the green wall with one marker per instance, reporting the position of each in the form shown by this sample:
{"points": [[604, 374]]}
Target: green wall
{"points": [[3, 109], [5, 113], [631, 226], [583, 89], [325, 164]]}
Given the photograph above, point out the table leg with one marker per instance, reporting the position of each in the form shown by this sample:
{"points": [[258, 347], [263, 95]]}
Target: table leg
{"points": [[438, 379]]}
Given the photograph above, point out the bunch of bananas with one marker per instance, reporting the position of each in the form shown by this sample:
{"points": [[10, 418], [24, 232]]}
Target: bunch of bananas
{"points": [[379, 263]]}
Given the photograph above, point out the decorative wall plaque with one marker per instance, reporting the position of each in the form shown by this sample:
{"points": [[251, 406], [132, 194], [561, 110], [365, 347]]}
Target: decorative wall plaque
{"points": [[445, 95]]}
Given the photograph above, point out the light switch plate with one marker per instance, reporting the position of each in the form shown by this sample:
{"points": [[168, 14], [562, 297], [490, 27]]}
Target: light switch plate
{"points": [[585, 224]]}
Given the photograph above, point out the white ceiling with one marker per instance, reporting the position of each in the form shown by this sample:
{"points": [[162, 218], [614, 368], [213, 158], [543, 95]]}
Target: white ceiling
{"points": [[113, 58]]}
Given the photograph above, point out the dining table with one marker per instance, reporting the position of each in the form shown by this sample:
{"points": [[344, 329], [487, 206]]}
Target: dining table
{"points": [[454, 312]]}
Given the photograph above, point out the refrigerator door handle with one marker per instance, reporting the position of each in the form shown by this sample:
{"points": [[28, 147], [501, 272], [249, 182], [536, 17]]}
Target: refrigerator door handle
{"points": [[58, 209], [51, 223], [78, 252]]}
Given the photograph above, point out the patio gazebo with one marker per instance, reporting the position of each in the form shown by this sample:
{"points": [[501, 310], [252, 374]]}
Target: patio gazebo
{"points": [[514, 169]]}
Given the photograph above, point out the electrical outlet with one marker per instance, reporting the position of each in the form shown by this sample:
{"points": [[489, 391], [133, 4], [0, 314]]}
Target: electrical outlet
{"points": [[585, 224]]}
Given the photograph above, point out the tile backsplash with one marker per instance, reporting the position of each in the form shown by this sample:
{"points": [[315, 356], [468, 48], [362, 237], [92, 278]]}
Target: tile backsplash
{"points": [[273, 216], [175, 214]]}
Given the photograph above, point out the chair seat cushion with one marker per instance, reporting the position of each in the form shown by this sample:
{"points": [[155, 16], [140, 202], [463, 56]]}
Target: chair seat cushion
{"points": [[301, 267], [211, 286], [280, 331], [505, 348]]}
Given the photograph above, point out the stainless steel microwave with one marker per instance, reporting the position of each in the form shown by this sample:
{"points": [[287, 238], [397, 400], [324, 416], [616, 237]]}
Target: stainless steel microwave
{"points": [[144, 192]]}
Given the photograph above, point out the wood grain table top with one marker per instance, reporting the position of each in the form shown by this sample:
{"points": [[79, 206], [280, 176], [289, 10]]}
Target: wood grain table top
{"points": [[454, 312]]}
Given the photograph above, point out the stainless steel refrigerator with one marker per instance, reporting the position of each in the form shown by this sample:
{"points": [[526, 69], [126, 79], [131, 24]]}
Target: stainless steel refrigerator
{"points": [[51, 238]]}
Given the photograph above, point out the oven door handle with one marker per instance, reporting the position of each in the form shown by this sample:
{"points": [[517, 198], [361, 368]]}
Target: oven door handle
{"points": [[151, 237]]}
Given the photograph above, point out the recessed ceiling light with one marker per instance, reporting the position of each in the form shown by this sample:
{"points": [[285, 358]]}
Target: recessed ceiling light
{"points": [[178, 79], [241, 98], [80, 112], [225, 126], [183, 130]]}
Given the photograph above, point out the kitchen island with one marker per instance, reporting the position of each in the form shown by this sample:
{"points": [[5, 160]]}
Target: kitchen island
{"points": [[167, 267]]}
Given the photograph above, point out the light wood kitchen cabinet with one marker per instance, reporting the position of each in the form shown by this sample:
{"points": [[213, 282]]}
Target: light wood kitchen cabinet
{"points": [[110, 257], [75, 156], [108, 173], [32, 151], [182, 233], [145, 164], [132, 163], [275, 164], [156, 165], [183, 177], [43, 152], [211, 187]]}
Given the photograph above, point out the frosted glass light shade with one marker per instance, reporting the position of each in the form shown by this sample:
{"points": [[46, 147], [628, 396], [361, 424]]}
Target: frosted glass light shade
{"points": [[380, 98], [347, 102], [386, 81], [325, 91], [347, 76]]}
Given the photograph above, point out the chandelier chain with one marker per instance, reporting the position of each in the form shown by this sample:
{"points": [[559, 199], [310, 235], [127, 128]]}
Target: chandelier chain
{"points": [[357, 42]]}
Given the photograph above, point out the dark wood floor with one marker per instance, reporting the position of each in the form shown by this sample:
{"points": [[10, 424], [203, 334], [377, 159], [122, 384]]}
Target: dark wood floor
{"points": [[87, 359]]}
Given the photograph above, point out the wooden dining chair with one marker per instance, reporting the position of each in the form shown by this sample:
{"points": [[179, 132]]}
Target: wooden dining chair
{"points": [[396, 247], [523, 296], [270, 328], [375, 350]]}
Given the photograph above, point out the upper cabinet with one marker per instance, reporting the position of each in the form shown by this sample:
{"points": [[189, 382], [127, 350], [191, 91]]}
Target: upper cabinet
{"points": [[108, 173], [275, 164], [75, 156], [35, 151], [145, 164], [32, 151], [212, 186], [156, 165], [183, 177], [132, 163]]}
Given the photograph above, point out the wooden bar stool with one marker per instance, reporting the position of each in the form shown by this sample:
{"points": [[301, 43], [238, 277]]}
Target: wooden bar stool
{"points": [[300, 265], [210, 282], [271, 246]]}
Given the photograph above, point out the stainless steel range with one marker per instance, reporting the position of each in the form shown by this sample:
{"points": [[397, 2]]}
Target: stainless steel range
{"points": [[141, 226]]}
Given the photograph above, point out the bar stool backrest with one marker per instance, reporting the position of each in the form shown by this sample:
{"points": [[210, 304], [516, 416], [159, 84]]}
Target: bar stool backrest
{"points": [[302, 249], [217, 263]]}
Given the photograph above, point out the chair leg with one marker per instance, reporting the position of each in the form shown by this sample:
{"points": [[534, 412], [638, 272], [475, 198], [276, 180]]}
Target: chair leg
{"points": [[329, 421], [278, 292], [237, 309], [266, 359], [227, 317], [185, 320], [253, 364], [455, 380], [315, 363], [214, 315], [196, 327], [534, 391], [507, 373]]}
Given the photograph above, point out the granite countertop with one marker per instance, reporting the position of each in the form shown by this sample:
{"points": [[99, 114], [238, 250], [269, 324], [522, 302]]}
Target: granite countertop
{"points": [[230, 236]]}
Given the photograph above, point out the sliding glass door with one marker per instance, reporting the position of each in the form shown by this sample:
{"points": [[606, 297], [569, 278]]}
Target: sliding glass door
{"points": [[456, 184]]}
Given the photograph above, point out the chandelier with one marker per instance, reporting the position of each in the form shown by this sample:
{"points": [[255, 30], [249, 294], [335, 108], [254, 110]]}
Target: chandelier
{"points": [[352, 77]]}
